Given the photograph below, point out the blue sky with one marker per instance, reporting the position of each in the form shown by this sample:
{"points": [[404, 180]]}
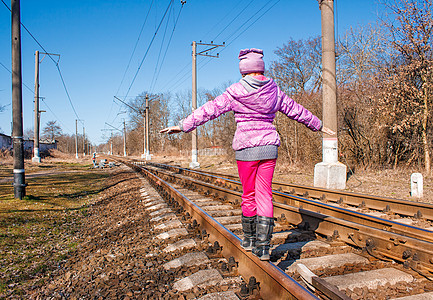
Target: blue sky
{"points": [[96, 40]]}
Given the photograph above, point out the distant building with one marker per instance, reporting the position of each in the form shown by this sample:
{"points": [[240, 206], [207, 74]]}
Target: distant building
{"points": [[5, 141], [44, 144]]}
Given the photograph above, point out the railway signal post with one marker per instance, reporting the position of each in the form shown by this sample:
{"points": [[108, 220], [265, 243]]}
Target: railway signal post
{"points": [[330, 173]]}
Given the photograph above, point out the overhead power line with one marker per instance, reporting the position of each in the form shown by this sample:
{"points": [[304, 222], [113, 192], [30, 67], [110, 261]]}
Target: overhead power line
{"points": [[148, 48], [135, 48], [50, 56], [31, 91], [166, 50], [183, 75]]}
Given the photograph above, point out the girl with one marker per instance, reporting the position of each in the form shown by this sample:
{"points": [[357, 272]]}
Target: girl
{"points": [[255, 99]]}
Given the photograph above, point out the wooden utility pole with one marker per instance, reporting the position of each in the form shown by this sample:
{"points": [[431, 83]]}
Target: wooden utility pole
{"points": [[17, 103]]}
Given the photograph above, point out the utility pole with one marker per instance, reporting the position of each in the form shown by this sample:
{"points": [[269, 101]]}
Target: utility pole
{"points": [[76, 138], [329, 173], [36, 157], [84, 141], [194, 152], [111, 144], [124, 139], [17, 103], [145, 132], [148, 157]]}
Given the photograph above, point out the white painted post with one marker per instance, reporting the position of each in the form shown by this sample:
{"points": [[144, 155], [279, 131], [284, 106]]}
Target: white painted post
{"points": [[416, 185]]}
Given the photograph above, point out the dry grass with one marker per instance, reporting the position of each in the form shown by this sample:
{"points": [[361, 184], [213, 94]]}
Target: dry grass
{"points": [[38, 232]]}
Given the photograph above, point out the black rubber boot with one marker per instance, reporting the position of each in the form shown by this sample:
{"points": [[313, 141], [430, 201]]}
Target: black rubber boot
{"points": [[249, 229], [265, 226]]}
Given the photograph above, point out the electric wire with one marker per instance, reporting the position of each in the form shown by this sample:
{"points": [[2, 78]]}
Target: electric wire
{"points": [[145, 55], [205, 61], [234, 19], [160, 48], [7, 69], [168, 45], [186, 74], [148, 48], [221, 20], [230, 42], [135, 48], [31, 91], [56, 63]]}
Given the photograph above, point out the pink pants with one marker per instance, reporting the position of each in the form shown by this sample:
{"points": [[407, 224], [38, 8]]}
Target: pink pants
{"points": [[256, 179]]}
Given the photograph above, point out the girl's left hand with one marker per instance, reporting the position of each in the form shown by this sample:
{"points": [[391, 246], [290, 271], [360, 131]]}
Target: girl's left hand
{"points": [[328, 131], [171, 130]]}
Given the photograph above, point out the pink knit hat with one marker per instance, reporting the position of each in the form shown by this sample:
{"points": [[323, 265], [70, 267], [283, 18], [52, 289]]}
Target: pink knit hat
{"points": [[251, 60]]}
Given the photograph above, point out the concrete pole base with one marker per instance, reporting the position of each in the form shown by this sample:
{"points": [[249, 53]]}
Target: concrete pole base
{"points": [[36, 159], [194, 165], [330, 175], [146, 156]]}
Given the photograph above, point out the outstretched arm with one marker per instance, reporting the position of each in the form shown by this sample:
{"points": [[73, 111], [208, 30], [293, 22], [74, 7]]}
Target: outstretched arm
{"points": [[209, 111], [171, 130], [297, 112]]}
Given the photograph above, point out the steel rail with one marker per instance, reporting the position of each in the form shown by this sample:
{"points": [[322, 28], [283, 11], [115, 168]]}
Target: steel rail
{"points": [[385, 204], [274, 283], [414, 252], [313, 205]]}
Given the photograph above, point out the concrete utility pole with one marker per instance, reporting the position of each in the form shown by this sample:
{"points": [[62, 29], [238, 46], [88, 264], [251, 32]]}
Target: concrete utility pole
{"points": [[148, 157], [144, 155], [124, 139], [84, 141], [329, 173], [194, 152], [17, 103], [36, 157], [76, 138], [111, 144]]}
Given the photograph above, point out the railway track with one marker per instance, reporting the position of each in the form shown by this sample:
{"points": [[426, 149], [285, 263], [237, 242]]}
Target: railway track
{"points": [[322, 243]]}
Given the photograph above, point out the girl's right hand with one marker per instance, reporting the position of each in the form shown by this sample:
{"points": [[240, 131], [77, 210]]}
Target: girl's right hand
{"points": [[328, 131], [171, 130]]}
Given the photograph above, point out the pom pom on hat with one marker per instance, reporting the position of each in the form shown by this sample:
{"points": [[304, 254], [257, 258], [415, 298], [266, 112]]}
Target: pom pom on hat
{"points": [[251, 60]]}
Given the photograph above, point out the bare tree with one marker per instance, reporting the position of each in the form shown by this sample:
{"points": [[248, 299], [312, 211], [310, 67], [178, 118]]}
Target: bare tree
{"points": [[298, 72], [52, 130], [408, 81], [361, 54]]}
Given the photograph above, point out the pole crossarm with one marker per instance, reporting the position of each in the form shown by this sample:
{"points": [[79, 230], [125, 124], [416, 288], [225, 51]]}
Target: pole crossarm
{"points": [[113, 127], [50, 54], [212, 46]]}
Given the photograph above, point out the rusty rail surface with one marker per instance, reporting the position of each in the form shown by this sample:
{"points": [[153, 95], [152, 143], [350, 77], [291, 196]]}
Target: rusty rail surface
{"points": [[380, 238], [275, 284]]}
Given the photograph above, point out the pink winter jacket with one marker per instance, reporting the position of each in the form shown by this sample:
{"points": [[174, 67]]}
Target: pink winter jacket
{"points": [[254, 114]]}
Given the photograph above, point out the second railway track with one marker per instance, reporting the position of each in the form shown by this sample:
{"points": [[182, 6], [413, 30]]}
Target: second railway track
{"points": [[341, 245]]}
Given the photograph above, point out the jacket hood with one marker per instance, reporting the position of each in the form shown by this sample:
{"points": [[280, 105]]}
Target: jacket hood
{"points": [[261, 100]]}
